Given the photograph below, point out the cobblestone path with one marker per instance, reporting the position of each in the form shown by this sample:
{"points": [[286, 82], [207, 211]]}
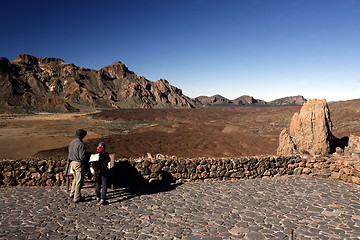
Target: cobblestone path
{"points": [[311, 208]]}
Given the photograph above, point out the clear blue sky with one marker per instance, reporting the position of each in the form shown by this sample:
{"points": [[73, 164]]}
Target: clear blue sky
{"points": [[264, 48]]}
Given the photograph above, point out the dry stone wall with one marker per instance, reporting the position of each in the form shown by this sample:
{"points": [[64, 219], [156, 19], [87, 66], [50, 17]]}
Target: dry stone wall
{"points": [[37, 172], [185, 170], [32, 172], [345, 168]]}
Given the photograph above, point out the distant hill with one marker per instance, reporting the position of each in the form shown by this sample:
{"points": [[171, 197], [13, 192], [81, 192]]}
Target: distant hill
{"points": [[213, 100], [49, 84], [218, 100], [248, 100], [295, 100]]}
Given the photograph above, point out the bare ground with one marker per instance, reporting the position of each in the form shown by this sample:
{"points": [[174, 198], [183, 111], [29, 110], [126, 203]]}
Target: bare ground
{"points": [[210, 132]]}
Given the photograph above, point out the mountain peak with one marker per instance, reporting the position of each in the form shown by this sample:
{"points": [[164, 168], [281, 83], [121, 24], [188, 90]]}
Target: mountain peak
{"points": [[25, 58], [117, 70], [32, 60], [292, 100], [50, 84]]}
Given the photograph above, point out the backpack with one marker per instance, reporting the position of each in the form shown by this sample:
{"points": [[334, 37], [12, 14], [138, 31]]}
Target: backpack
{"points": [[99, 162], [103, 161]]}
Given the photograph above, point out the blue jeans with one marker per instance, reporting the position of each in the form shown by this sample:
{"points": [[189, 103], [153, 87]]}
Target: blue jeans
{"points": [[101, 181]]}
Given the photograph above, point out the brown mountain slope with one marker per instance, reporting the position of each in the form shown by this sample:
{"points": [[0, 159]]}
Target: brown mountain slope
{"points": [[49, 84]]}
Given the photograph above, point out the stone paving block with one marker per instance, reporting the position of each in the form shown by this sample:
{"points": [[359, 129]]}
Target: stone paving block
{"points": [[252, 209], [238, 230], [254, 236]]}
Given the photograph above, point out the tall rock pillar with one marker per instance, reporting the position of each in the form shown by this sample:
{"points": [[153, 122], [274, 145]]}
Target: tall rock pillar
{"points": [[310, 131]]}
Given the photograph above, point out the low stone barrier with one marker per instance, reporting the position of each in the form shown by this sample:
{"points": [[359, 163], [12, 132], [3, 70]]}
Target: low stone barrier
{"points": [[32, 172], [185, 170], [205, 169], [40, 172]]}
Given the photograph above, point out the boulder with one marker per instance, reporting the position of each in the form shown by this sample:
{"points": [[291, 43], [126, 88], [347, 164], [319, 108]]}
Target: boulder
{"points": [[353, 145], [286, 144], [310, 131]]}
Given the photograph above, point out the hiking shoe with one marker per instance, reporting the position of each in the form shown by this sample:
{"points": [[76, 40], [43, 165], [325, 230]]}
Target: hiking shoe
{"points": [[81, 199], [103, 202], [98, 199]]}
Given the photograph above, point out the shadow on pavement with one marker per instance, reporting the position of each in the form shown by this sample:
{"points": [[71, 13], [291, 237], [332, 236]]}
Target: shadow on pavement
{"points": [[119, 195], [127, 183]]}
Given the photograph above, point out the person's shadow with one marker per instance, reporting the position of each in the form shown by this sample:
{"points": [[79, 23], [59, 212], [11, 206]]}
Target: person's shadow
{"points": [[126, 183]]}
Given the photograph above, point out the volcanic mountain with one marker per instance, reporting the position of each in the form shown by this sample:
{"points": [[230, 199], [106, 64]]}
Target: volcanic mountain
{"points": [[294, 100], [49, 84], [218, 100], [245, 100]]}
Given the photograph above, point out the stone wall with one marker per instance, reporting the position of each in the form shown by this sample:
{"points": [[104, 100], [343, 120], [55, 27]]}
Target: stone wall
{"points": [[185, 170], [37, 172], [32, 172], [204, 169]]}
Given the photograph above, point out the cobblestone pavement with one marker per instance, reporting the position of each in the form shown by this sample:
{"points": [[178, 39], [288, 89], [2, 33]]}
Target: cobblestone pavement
{"points": [[312, 208]]}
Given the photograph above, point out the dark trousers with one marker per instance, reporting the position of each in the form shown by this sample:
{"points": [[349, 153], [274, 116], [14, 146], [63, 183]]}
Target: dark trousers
{"points": [[101, 181]]}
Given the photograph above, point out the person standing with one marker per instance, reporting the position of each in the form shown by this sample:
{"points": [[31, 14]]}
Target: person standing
{"points": [[99, 163], [77, 157]]}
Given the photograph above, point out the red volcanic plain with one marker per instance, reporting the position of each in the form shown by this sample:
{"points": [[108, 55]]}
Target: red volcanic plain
{"points": [[206, 132]]}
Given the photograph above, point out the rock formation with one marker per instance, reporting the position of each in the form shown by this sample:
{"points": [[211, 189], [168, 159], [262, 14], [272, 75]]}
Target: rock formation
{"points": [[353, 145], [213, 100], [310, 131], [49, 84], [218, 100], [246, 100], [294, 100]]}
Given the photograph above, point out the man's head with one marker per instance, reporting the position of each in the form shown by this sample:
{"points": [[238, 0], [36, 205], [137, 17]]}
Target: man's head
{"points": [[80, 133]]}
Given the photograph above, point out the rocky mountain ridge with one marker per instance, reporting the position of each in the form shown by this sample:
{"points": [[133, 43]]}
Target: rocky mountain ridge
{"points": [[245, 100], [294, 100], [49, 84]]}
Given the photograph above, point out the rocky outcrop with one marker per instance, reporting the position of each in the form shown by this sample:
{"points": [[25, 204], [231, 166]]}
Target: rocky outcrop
{"points": [[310, 131], [49, 84], [286, 101], [353, 146], [218, 100], [213, 100], [246, 100]]}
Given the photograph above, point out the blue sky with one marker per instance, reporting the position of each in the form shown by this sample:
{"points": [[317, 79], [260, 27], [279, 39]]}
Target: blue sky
{"points": [[264, 48]]}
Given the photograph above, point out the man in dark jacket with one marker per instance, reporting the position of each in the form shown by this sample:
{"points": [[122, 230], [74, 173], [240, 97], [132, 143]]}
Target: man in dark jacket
{"points": [[77, 157]]}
